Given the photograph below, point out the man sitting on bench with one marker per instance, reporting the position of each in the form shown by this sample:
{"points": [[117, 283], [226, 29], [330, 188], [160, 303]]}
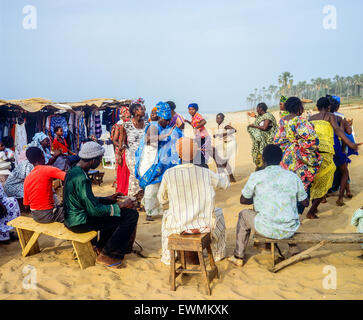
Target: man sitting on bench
{"points": [[274, 192], [84, 212], [38, 188]]}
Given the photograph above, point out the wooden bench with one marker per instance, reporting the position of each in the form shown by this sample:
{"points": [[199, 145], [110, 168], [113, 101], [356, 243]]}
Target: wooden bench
{"points": [[320, 239], [29, 231], [191, 243]]}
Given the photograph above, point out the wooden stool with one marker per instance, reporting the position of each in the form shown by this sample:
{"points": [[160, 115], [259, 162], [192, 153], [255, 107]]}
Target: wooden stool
{"points": [[194, 243]]}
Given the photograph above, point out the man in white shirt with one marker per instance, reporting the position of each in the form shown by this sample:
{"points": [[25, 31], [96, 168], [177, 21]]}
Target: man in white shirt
{"points": [[274, 192], [189, 191]]}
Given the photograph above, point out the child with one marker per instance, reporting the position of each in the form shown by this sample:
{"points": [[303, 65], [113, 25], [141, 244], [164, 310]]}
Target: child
{"points": [[59, 143], [357, 221]]}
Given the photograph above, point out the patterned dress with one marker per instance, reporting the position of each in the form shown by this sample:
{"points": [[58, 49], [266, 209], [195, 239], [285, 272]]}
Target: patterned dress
{"points": [[134, 136], [325, 176], [14, 185], [12, 211], [260, 139], [299, 143]]}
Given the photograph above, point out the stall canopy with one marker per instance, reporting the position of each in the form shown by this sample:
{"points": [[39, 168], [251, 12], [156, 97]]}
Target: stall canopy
{"points": [[37, 104]]}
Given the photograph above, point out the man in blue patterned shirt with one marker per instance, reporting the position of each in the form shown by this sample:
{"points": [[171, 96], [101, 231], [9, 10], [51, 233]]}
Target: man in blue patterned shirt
{"points": [[274, 192]]}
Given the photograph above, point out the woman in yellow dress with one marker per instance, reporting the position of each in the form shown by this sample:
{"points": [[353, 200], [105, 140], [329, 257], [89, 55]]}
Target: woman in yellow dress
{"points": [[325, 124]]}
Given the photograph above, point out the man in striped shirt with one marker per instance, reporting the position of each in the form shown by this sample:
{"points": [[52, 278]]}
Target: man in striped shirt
{"points": [[189, 191]]}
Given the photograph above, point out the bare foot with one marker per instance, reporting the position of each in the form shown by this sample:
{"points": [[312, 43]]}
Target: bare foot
{"points": [[324, 200], [110, 262], [349, 195], [312, 216], [340, 203], [232, 179]]}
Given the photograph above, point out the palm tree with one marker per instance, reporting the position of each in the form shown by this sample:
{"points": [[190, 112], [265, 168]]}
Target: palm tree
{"points": [[284, 80]]}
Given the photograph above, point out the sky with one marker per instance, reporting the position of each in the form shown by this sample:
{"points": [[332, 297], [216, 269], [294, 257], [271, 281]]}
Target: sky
{"points": [[210, 52]]}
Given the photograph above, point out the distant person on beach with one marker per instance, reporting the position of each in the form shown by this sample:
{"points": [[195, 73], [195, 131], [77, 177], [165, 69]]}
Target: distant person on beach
{"points": [[176, 119], [262, 133], [341, 157], [225, 144], [202, 137], [274, 193], [283, 111], [38, 189], [325, 125], [83, 212], [189, 190]]}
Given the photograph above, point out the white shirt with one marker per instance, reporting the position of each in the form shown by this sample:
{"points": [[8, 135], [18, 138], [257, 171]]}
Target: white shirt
{"points": [[189, 190]]}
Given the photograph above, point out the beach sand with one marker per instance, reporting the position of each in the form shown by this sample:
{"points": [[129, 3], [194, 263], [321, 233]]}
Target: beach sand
{"points": [[58, 276]]}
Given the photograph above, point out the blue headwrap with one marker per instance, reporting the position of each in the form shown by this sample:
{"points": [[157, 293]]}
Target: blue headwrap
{"points": [[336, 98], [163, 110], [193, 105]]}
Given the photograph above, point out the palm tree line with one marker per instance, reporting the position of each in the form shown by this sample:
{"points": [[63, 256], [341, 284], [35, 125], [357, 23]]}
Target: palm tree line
{"points": [[350, 86]]}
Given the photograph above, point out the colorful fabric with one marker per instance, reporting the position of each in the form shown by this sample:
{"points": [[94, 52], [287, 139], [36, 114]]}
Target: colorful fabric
{"points": [[275, 192], [38, 187], [299, 144], [163, 111], [60, 145], [190, 192], [134, 136], [12, 211], [336, 98], [283, 99], [59, 121], [175, 118], [260, 139], [166, 156], [125, 113], [122, 172], [80, 202], [202, 132], [14, 185], [324, 178], [284, 114], [98, 126]]}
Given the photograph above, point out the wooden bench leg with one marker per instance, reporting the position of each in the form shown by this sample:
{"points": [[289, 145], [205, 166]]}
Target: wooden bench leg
{"points": [[33, 241], [25, 236], [204, 271], [85, 254], [212, 264], [182, 259], [273, 254], [172, 270]]}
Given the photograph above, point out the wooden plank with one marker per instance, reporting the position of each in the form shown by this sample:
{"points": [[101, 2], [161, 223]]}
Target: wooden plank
{"points": [[24, 237], [182, 259], [85, 254], [55, 229], [185, 246], [211, 260], [204, 272], [273, 254], [172, 270], [33, 241], [301, 238], [301, 256]]}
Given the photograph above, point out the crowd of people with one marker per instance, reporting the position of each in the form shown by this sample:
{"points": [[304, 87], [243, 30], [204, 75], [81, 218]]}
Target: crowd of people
{"points": [[165, 172]]}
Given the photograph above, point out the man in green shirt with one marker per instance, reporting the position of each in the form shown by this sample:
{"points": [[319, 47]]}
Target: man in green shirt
{"points": [[84, 212]]}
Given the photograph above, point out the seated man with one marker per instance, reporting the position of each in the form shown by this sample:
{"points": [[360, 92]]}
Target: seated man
{"points": [[189, 190], [274, 192], [84, 212], [38, 188]]}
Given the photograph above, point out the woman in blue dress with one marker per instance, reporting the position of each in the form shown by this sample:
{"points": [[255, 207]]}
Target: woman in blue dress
{"points": [[155, 155]]}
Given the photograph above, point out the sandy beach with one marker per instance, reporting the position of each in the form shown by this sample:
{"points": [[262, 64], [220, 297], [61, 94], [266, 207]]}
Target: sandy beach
{"points": [[59, 276]]}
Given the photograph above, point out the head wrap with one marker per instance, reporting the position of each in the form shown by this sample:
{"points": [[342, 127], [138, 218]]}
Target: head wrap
{"points": [[91, 150], [163, 110], [36, 142], [283, 99], [186, 148], [194, 105], [336, 98], [38, 138]]}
